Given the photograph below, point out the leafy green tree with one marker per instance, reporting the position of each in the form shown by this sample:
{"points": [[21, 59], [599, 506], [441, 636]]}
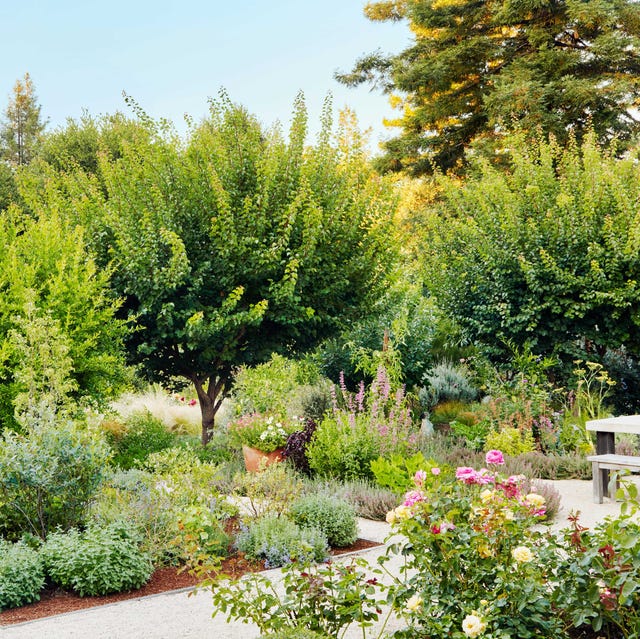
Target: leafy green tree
{"points": [[80, 142], [546, 254], [23, 126], [59, 338], [8, 187], [236, 243], [474, 68]]}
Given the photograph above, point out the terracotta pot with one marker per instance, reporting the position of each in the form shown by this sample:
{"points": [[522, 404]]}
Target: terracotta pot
{"points": [[254, 459]]}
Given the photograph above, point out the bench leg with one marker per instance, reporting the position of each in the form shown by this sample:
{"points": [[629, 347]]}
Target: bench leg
{"points": [[605, 445], [598, 482]]}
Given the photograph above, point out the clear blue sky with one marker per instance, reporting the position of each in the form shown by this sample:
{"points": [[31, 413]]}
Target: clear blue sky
{"points": [[170, 56]]}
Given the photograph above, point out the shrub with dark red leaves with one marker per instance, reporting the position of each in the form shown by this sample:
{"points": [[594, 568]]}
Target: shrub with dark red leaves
{"points": [[296, 447]]}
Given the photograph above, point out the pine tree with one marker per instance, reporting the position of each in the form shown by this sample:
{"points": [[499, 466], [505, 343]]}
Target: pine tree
{"points": [[478, 67], [23, 125]]}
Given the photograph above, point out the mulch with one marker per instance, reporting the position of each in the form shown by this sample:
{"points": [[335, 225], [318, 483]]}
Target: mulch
{"points": [[54, 601]]}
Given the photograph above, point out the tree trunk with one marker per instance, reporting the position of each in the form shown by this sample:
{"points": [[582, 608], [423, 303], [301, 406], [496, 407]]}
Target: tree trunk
{"points": [[210, 401]]}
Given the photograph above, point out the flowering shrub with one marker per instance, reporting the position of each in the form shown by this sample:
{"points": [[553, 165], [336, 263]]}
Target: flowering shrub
{"points": [[475, 566], [263, 432], [362, 427]]}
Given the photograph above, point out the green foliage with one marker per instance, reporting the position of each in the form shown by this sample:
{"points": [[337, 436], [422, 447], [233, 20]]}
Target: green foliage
{"points": [[343, 450], [600, 573], [368, 499], [143, 435], [201, 537], [473, 432], [21, 575], [58, 326], [48, 478], [325, 599], [447, 412], [22, 128], [8, 187], [236, 243], [334, 517], [278, 541], [97, 561], [80, 143], [411, 321], [369, 425], [446, 382], [476, 69], [269, 387], [511, 441], [271, 491], [397, 473], [174, 504], [544, 255], [140, 499]]}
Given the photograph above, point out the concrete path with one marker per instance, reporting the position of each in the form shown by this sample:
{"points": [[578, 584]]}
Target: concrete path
{"points": [[179, 616]]}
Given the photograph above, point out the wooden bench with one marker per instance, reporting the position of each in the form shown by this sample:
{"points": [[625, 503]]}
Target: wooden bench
{"points": [[609, 462], [605, 430]]}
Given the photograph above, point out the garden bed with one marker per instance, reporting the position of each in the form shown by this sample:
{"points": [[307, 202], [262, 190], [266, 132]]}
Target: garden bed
{"points": [[54, 601]]}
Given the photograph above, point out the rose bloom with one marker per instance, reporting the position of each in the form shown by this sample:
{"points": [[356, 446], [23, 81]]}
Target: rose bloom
{"points": [[473, 626], [435, 470], [486, 495], [494, 457], [414, 603], [535, 500], [522, 554], [413, 497], [419, 477]]}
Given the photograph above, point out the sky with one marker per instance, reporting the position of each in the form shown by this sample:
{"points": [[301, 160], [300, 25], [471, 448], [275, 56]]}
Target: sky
{"points": [[171, 56]]}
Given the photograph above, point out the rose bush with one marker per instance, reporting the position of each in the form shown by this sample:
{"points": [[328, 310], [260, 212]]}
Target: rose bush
{"points": [[476, 564]]}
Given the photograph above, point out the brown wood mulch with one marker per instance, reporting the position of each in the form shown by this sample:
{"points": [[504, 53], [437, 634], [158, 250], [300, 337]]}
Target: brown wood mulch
{"points": [[54, 601]]}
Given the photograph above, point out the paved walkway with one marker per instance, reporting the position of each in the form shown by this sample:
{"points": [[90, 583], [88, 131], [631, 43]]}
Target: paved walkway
{"points": [[178, 616]]}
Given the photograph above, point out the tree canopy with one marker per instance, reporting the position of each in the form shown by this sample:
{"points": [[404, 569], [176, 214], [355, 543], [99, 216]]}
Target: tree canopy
{"points": [[59, 337], [23, 126], [545, 254], [475, 68], [236, 243]]}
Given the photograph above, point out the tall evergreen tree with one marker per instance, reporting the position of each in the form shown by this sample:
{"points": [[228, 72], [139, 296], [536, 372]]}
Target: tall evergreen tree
{"points": [[477, 67], [23, 125]]}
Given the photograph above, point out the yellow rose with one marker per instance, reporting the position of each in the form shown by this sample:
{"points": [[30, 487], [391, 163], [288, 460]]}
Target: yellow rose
{"points": [[535, 500], [484, 551], [391, 517], [486, 495], [522, 554], [403, 512]]}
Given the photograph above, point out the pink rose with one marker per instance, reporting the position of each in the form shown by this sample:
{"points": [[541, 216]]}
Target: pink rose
{"points": [[419, 477], [466, 474], [192, 402], [495, 457], [435, 471], [413, 497]]}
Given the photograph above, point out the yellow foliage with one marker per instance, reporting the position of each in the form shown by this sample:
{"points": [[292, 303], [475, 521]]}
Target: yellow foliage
{"points": [[442, 4], [382, 11]]}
